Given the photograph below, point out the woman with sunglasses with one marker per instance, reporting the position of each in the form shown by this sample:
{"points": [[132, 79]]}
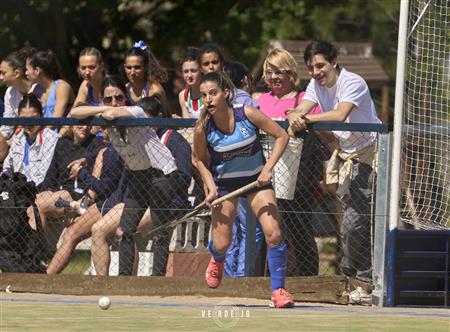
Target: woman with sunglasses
{"points": [[281, 77], [150, 168], [105, 228], [144, 73]]}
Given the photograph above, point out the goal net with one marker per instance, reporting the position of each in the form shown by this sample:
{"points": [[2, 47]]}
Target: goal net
{"points": [[425, 179]]}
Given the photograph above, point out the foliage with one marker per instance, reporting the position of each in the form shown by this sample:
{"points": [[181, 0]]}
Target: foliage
{"points": [[242, 27]]}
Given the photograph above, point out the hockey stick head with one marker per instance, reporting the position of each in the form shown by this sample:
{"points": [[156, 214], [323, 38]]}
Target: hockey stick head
{"points": [[172, 224], [202, 208]]}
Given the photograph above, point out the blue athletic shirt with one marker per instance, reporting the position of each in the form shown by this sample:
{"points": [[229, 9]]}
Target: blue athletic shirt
{"points": [[90, 97], [2, 108], [92, 102], [49, 108], [235, 157]]}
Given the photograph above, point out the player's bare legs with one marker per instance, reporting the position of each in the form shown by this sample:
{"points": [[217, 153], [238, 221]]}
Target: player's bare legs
{"points": [[264, 206], [222, 224]]}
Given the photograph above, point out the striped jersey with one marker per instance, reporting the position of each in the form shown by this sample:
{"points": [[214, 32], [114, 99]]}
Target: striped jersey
{"points": [[236, 156], [193, 106]]}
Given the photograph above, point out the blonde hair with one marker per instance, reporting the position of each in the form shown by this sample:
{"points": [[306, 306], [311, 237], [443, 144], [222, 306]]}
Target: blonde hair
{"points": [[282, 60], [203, 119], [92, 51]]}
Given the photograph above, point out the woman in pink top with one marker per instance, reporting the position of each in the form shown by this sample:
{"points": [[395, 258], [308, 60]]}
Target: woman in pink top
{"points": [[280, 75]]}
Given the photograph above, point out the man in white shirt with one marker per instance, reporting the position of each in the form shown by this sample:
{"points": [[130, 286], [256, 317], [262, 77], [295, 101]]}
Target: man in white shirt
{"points": [[344, 97]]}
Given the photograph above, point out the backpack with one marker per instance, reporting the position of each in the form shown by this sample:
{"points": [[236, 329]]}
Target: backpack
{"points": [[21, 247]]}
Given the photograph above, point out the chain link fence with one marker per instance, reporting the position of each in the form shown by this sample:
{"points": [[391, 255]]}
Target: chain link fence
{"points": [[66, 220]]}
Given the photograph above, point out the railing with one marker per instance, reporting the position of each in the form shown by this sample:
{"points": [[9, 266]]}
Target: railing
{"points": [[312, 216]]}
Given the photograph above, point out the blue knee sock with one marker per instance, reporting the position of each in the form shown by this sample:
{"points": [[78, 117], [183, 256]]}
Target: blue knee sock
{"points": [[277, 265], [217, 256]]}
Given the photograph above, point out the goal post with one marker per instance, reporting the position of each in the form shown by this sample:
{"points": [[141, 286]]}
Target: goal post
{"points": [[425, 140], [420, 168]]}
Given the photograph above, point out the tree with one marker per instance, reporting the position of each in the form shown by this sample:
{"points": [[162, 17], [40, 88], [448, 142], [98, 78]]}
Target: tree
{"points": [[243, 27]]}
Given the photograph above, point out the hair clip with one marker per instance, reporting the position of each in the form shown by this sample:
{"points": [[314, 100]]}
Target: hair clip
{"points": [[141, 45]]}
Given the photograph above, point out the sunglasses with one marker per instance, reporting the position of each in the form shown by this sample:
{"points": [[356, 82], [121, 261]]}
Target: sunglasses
{"points": [[109, 99], [276, 73]]}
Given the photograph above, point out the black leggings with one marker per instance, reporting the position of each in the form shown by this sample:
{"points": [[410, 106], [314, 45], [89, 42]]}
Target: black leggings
{"points": [[148, 188]]}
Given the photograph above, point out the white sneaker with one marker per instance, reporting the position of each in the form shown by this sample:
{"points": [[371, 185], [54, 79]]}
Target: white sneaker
{"points": [[360, 296]]}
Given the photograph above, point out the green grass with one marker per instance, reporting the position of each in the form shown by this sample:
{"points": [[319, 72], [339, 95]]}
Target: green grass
{"points": [[327, 256], [327, 270], [38, 316], [80, 262]]}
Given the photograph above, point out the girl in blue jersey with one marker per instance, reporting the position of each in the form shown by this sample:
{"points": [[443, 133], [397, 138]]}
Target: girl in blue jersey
{"points": [[57, 97], [228, 155], [91, 70]]}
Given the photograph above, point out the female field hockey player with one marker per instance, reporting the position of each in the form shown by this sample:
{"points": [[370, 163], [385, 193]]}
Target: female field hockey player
{"points": [[228, 155]]}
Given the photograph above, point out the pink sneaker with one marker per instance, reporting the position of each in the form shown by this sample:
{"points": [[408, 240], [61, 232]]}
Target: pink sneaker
{"points": [[214, 273], [281, 298]]}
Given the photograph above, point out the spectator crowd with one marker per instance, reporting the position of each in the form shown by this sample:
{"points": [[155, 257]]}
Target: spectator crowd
{"points": [[111, 183]]}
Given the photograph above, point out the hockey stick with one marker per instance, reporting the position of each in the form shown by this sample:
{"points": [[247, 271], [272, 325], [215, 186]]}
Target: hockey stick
{"points": [[200, 209]]}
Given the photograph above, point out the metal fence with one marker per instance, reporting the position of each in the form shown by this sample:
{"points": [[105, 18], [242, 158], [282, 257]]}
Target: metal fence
{"points": [[76, 231]]}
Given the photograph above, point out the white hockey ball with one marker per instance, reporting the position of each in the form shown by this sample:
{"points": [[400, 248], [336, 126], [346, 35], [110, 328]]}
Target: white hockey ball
{"points": [[104, 303]]}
